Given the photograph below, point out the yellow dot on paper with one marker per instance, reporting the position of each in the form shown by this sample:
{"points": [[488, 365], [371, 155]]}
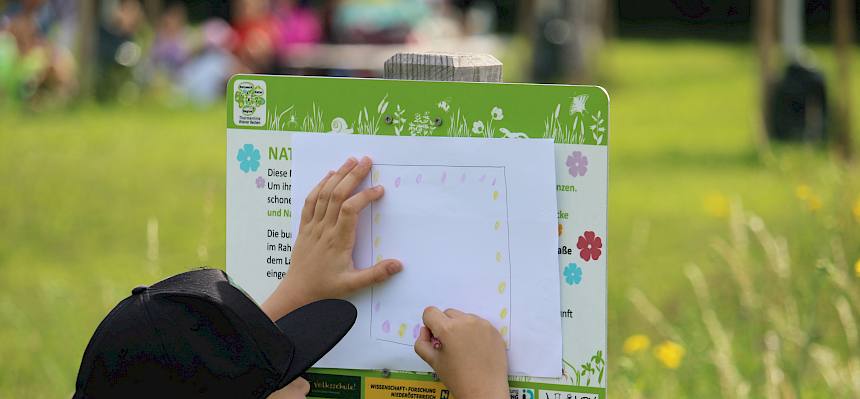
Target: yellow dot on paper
{"points": [[504, 331], [402, 329], [498, 256], [374, 177], [376, 218], [502, 287], [378, 258], [498, 225], [376, 242], [495, 195], [503, 313]]}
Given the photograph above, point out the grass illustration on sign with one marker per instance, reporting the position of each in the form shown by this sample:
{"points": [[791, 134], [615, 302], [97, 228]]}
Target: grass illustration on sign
{"points": [[585, 128]]}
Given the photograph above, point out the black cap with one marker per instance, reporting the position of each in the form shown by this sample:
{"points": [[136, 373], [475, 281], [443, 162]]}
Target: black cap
{"points": [[196, 335]]}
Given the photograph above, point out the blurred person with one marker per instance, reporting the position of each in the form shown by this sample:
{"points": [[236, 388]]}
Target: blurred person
{"points": [[256, 35], [297, 24], [170, 49], [377, 21], [203, 78], [117, 52]]}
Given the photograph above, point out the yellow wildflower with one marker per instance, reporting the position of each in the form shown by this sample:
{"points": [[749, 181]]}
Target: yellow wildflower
{"points": [[802, 191], [716, 205], [856, 210], [670, 354], [857, 268], [636, 343], [813, 203]]}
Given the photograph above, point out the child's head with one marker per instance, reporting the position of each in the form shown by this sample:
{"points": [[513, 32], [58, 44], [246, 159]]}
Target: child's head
{"points": [[197, 335]]}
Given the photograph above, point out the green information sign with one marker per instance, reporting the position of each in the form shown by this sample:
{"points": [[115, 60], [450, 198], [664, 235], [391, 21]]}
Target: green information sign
{"points": [[265, 111]]}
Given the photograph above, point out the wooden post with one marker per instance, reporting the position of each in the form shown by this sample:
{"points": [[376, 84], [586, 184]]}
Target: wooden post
{"points": [[765, 32], [843, 29], [444, 67]]}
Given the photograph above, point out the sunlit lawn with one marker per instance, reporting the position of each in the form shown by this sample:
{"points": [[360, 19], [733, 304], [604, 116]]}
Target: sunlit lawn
{"points": [[96, 201]]}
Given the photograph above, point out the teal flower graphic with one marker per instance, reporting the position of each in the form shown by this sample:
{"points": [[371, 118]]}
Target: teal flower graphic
{"points": [[249, 158], [572, 274]]}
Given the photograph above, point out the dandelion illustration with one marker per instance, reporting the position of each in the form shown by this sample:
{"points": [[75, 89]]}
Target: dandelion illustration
{"points": [[577, 164], [597, 128], [478, 127], [670, 354], [577, 104], [589, 245], [497, 113], [249, 158], [443, 105], [572, 274], [636, 343], [261, 182]]}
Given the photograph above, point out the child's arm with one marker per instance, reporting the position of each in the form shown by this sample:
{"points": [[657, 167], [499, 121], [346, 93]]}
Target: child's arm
{"points": [[468, 354], [322, 264]]}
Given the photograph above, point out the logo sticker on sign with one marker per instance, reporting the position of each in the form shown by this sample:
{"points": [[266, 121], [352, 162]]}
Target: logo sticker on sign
{"points": [[249, 102]]}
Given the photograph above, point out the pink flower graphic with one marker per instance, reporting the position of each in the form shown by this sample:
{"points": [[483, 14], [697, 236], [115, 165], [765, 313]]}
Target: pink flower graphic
{"points": [[589, 245], [261, 182], [577, 164]]}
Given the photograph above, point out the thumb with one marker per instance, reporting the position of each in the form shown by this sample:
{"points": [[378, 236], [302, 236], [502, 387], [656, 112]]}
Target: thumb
{"points": [[424, 347], [377, 273]]}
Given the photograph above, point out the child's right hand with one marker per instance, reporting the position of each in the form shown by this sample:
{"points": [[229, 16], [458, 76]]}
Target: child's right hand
{"points": [[471, 361]]}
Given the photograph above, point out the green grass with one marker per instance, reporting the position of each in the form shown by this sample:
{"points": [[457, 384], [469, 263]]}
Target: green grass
{"points": [[83, 191]]}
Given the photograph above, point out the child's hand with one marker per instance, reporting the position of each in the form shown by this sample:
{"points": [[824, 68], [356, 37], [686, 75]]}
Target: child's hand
{"points": [[471, 359], [322, 264]]}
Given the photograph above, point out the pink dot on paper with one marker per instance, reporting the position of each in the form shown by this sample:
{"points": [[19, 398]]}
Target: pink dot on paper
{"points": [[397, 182], [444, 176], [418, 179], [494, 181], [463, 178], [416, 330], [386, 326], [482, 178]]}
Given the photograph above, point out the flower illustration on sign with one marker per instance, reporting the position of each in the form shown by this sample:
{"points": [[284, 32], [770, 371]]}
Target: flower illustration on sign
{"points": [[577, 164], [577, 104], [249, 158], [261, 182], [589, 245], [478, 127], [597, 129], [443, 105], [497, 113], [572, 274]]}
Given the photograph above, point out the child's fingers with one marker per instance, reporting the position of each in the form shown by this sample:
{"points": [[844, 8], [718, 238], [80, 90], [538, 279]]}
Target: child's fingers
{"points": [[311, 200], [424, 346], [325, 193], [348, 217], [453, 313], [434, 319], [375, 274], [344, 189]]}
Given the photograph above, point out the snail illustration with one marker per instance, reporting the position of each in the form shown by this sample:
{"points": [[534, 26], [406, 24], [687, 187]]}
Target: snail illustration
{"points": [[339, 125]]}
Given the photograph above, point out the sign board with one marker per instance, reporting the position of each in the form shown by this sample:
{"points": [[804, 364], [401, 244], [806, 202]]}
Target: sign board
{"points": [[263, 114]]}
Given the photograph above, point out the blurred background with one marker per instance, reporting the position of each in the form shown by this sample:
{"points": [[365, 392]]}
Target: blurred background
{"points": [[734, 189]]}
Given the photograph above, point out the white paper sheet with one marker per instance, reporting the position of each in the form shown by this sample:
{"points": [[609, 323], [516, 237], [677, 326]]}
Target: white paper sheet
{"points": [[474, 223]]}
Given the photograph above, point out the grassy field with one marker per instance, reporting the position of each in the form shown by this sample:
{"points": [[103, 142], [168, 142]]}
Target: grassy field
{"points": [[743, 261]]}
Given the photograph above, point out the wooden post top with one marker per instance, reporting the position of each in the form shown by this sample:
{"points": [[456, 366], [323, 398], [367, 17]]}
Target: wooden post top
{"points": [[444, 67]]}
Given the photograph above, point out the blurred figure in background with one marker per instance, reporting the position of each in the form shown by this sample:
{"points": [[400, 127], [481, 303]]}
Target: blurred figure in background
{"points": [[118, 51], [377, 21], [256, 34], [203, 78], [297, 25], [170, 50]]}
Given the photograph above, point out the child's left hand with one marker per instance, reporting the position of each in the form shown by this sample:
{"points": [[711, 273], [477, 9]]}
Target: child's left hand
{"points": [[322, 264]]}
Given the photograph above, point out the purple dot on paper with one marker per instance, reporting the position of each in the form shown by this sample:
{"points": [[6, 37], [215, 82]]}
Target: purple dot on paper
{"points": [[418, 179], [482, 178], [463, 178], [494, 181], [397, 182], [376, 307], [416, 330], [444, 176], [386, 326]]}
